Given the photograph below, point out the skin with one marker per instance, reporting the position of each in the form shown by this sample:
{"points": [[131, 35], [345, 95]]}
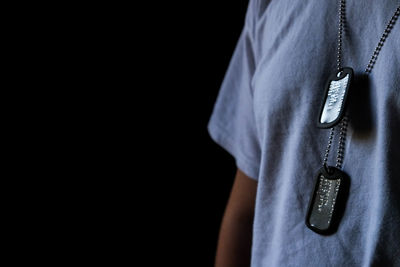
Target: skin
{"points": [[234, 242]]}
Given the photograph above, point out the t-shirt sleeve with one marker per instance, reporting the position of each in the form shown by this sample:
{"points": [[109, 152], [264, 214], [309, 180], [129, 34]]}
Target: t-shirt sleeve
{"points": [[232, 122]]}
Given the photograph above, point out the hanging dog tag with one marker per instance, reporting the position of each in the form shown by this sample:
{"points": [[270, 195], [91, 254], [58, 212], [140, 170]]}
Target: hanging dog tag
{"points": [[334, 104], [327, 201]]}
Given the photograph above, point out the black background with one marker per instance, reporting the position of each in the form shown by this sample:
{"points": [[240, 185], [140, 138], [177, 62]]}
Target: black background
{"points": [[189, 175], [134, 174]]}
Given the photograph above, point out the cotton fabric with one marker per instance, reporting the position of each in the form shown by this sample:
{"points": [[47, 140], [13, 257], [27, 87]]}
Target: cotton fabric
{"points": [[266, 113]]}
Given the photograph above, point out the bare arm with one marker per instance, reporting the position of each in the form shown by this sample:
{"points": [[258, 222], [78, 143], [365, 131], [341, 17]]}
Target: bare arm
{"points": [[234, 243]]}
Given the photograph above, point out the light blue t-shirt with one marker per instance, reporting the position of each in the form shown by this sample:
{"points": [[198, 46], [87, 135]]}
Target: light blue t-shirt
{"points": [[265, 116]]}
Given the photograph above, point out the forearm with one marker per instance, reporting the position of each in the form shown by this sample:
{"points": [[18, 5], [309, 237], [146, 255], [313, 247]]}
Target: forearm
{"points": [[234, 244], [235, 237]]}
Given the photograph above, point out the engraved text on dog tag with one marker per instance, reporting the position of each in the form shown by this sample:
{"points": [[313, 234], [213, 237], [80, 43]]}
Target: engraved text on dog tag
{"points": [[334, 104], [328, 200]]}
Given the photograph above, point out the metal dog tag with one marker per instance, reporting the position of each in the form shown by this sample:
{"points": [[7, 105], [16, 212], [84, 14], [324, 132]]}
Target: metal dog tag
{"points": [[334, 104], [327, 201]]}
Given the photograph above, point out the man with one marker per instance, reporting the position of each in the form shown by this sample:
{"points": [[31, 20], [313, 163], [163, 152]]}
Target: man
{"points": [[266, 117]]}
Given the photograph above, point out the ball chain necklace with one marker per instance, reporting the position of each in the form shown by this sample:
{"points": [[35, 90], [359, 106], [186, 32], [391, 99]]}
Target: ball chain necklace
{"points": [[327, 202]]}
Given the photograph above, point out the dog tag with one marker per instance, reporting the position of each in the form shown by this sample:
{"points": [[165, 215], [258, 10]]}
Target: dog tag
{"points": [[328, 200], [334, 102]]}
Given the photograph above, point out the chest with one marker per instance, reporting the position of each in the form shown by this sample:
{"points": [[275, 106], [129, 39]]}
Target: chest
{"points": [[296, 53]]}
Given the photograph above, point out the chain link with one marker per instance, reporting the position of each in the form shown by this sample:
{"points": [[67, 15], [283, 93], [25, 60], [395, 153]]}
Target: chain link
{"points": [[344, 122], [342, 9], [385, 34]]}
